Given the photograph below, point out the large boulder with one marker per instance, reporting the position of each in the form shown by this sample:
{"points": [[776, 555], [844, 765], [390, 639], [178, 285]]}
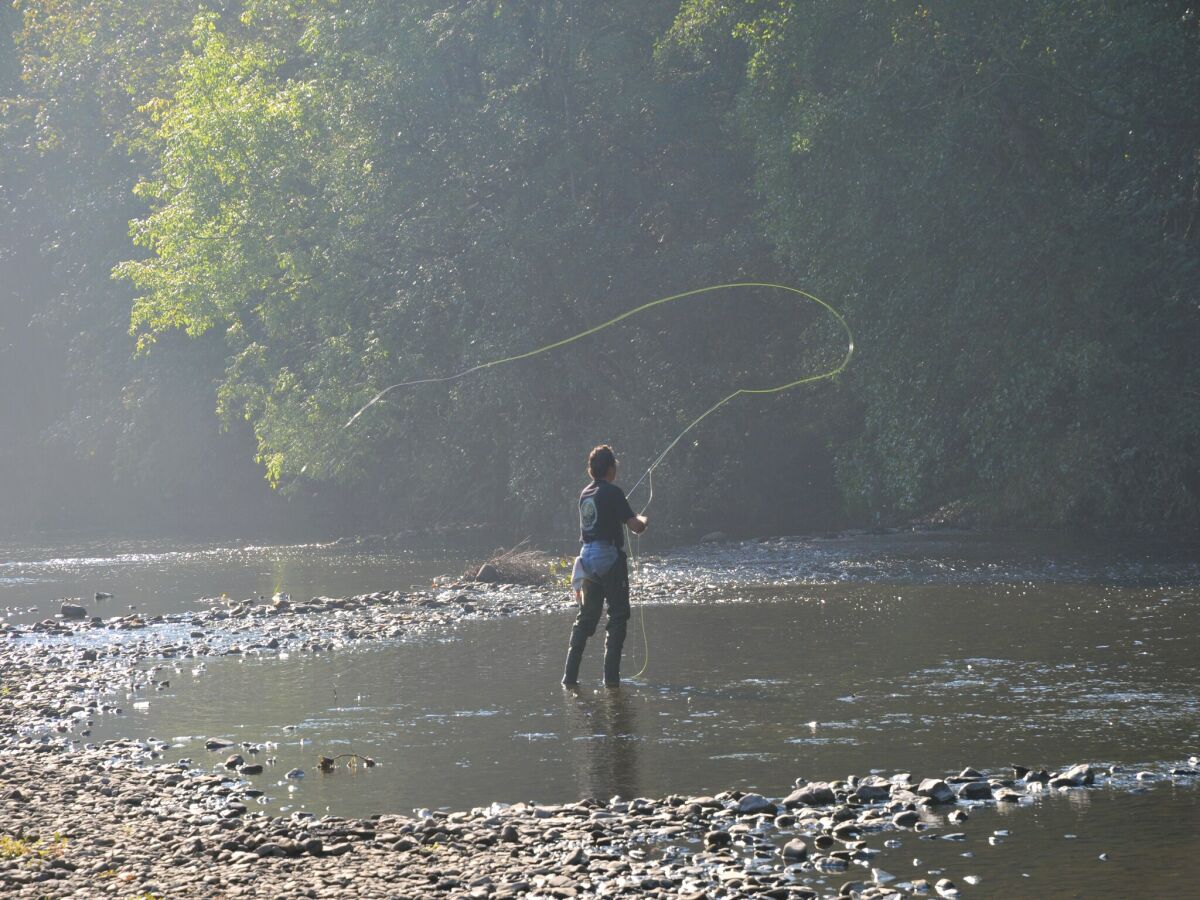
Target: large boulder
{"points": [[975, 790], [488, 574], [1080, 775], [869, 792], [754, 804], [936, 790], [73, 611], [818, 793], [795, 851]]}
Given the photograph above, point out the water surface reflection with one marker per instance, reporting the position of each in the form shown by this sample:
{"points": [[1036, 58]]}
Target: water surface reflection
{"points": [[604, 730], [817, 683]]}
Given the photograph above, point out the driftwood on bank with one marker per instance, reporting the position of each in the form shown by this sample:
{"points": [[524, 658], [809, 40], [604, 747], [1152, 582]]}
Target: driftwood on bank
{"points": [[519, 565]]}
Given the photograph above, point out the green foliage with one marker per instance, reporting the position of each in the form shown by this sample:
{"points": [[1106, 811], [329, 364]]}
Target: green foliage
{"points": [[1005, 194], [34, 848], [92, 429], [408, 191], [325, 199]]}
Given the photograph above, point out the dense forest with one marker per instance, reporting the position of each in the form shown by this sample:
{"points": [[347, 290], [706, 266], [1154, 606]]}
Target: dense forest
{"points": [[226, 226]]}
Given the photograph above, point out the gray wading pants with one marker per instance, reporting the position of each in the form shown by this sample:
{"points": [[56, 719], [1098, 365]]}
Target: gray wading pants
{"points": [[613, 587]]}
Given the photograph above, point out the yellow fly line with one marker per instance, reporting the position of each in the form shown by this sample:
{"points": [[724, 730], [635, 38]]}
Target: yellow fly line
{"points": [[808, 379], [649, 473]]}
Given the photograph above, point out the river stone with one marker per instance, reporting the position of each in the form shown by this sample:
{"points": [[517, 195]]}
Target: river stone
{"points": [[577, 857], [975, 790], [872, 793], [488, 574], [251, 769], [906, 818], [816, 794], [936, 790], [753, 804], [234, 761], [73, 611], [946, 888], [217, 744], [846, 831], [718, 838], [1080, 774], [795, 850]]}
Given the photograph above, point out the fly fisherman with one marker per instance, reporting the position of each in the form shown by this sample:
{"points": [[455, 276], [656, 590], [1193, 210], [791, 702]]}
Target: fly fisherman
{"points": [[602, 571]]}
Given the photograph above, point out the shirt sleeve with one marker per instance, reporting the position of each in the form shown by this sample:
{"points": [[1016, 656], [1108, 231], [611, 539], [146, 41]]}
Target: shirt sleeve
{"points": [[626, 510]]}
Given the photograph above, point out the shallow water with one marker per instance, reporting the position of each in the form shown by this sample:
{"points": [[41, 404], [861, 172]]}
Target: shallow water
{"points": [[750, 695], [922, 654], [1053, 848], [157, 578]]}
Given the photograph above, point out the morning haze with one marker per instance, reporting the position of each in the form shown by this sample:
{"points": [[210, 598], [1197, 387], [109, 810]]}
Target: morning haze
{"points": [[292, 539]]}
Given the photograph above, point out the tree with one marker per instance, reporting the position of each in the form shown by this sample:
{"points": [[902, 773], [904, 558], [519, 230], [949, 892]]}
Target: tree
{"points": [[1006, 194]]}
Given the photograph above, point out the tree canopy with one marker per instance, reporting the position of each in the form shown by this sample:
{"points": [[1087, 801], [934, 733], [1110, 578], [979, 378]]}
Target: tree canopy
{"points": [[301, 202]]}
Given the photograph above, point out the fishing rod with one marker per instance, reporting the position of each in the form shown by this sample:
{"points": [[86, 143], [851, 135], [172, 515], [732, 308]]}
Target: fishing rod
{"points": [[648, 475]]}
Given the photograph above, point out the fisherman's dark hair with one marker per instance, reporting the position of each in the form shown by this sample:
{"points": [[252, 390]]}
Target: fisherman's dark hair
{"points": [[600, 460]]}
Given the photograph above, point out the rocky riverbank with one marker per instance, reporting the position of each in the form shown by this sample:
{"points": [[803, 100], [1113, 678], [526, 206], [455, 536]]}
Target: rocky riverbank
{"points": [[130, 819]]}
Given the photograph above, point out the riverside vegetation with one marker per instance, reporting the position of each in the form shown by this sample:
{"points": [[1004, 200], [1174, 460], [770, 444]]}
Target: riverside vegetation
{"points": [[1001, 196]]}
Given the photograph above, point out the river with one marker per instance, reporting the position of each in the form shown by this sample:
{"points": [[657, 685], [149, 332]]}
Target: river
{"points": [[801, 658]]}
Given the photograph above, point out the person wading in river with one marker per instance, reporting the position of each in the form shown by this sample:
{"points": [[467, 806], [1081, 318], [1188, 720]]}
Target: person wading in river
{"points": [[602, 566]]}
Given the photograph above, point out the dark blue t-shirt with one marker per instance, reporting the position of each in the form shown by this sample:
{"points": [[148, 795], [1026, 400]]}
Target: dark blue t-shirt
{"points": [[603, 509]]}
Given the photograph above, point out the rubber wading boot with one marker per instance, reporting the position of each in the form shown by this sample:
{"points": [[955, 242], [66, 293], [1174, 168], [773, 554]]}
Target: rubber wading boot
{"points": [[571, 669], [612, 666]]}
